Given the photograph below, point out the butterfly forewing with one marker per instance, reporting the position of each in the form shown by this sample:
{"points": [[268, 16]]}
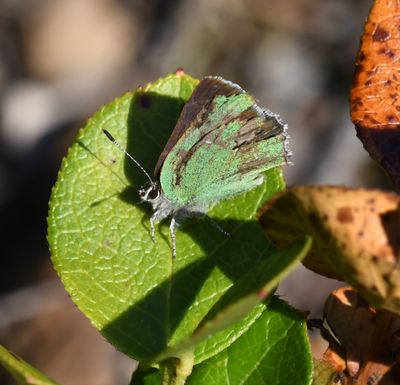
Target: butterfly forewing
{"points": [[220, 146]]}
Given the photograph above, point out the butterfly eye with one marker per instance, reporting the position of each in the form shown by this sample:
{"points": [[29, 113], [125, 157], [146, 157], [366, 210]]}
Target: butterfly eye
{"points": [[153, 193]]}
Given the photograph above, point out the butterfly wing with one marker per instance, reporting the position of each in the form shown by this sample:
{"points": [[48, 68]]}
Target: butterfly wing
{"points": [[223, 148]]}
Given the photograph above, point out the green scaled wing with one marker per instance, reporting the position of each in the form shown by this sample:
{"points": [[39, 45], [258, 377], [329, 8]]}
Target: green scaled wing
{"points": [[221, 147]]}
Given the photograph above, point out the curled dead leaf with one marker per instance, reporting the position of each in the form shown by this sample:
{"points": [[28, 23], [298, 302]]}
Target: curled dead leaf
{"points": [[356, 236], [366, 350]]}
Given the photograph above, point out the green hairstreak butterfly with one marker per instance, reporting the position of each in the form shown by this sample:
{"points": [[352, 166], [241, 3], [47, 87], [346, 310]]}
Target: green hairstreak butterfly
{"points": [[220, 146]]}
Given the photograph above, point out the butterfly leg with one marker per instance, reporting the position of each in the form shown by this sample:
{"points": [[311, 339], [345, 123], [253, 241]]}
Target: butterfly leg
{"points": [[173, 237], [152, 226], [218, 227], [212, 221]]}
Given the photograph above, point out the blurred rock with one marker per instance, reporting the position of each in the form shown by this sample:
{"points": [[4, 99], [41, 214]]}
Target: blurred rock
{"points": [[78, 37]]}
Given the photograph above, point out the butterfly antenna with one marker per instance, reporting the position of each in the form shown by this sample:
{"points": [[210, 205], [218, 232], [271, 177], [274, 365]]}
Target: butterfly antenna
{"points": [[111, 138]]}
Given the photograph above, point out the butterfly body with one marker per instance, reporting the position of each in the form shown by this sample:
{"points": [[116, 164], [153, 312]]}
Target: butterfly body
{"points": [[222, 143], [220, 147], [164, 208]]}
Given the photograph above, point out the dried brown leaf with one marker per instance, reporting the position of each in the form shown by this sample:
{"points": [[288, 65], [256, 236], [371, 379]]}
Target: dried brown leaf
{"points": [[356, 236], [366, 339]]}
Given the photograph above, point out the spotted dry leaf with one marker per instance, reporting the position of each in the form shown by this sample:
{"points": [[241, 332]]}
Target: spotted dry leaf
{"points": [[356, 236], [375, 96]]}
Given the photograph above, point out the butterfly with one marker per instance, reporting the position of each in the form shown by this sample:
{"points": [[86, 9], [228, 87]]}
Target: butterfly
{"points": [[222, 143]]}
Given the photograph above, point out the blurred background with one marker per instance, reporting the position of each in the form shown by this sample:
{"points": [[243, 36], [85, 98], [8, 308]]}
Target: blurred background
{"points": [[61, 60]]}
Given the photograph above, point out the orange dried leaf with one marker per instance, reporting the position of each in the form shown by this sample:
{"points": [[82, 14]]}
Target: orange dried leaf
{"points": [[375, 94]]}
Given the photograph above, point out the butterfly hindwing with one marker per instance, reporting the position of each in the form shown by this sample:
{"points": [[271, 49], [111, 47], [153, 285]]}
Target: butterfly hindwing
{"points": [[224, 142]]}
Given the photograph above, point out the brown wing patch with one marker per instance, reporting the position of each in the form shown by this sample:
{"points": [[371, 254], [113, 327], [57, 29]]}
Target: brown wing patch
{"points": [[251, 132]]}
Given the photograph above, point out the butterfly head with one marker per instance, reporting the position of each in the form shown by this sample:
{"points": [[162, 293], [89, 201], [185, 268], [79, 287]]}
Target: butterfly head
{"points": [[150, 193]]}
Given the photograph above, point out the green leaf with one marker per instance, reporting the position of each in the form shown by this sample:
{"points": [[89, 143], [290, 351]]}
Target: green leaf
{"points": [[22, 372], [274, 350], [131, 289], [239, 301]]}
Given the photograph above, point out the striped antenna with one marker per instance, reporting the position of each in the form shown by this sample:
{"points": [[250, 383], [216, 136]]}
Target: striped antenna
{"points": [[111, 138]]}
